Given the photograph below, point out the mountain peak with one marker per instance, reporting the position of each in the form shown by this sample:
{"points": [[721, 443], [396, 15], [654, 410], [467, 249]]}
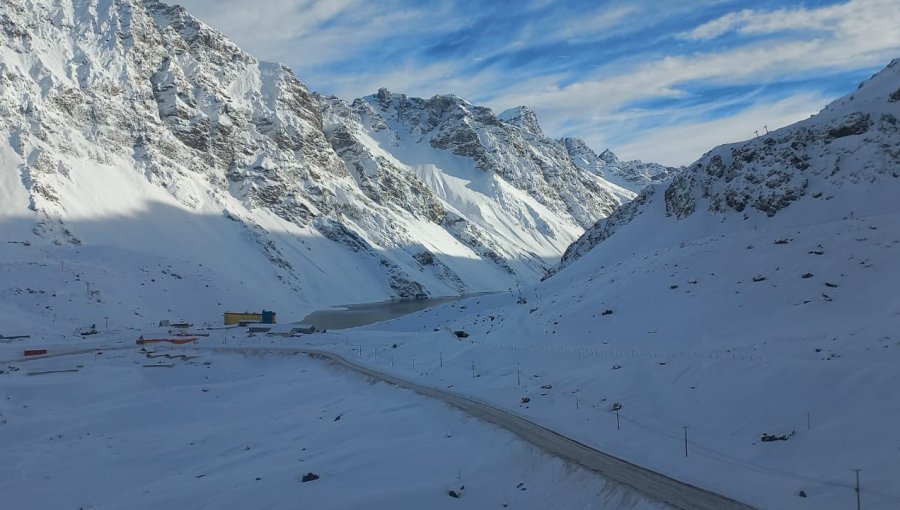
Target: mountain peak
{"points": [[384, 96], [631, 175], [523, 117], [609, 157]]}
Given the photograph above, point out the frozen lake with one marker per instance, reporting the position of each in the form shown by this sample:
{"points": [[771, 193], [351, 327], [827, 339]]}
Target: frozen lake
{"points": [[351, 316]]}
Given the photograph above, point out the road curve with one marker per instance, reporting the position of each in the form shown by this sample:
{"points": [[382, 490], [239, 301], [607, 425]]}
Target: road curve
{"points": [[645, 481]]}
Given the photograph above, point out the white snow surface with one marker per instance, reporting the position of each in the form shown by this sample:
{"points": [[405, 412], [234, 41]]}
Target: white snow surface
{"points": [[241, 431], [632, 175], [755, 294], [132, 128], [150, 170]]}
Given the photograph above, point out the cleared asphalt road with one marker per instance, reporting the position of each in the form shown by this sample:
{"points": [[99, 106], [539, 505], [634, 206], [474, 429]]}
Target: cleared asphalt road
{"points": [[649, 483]]}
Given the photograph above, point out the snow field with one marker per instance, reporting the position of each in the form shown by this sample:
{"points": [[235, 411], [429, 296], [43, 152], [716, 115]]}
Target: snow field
{"points": [[240, 431], [721, 334]]}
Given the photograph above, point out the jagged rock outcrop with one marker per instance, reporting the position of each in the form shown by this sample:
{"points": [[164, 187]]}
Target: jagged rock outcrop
{"points": [[632, 175], [524, 118], [491, 182], [107, 108], [511, 146], [854, 142]]}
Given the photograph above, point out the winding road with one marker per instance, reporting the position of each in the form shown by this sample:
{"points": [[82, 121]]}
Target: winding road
{"points": [[645, 481]]}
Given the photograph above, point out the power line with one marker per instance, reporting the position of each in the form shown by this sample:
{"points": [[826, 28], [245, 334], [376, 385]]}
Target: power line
{"points": [[713, 454]]}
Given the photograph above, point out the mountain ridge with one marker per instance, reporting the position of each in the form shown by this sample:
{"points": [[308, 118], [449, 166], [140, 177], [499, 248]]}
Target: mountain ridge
{"points": [[746, 310], [122, 109], [852, 142]]}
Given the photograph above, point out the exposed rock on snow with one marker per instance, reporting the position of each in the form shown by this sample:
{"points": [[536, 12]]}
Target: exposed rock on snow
{"points": [[125, 109], [632, 175], [524, 118], [852, 143]]}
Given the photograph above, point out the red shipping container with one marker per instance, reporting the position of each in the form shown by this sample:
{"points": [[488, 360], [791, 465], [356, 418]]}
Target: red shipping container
{"points": [[35, 352]]}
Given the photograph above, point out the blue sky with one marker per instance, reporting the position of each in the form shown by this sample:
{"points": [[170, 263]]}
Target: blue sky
{"points": [[656, 80]]}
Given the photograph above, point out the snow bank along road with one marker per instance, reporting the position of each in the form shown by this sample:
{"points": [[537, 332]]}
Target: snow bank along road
{"points": [[645, 481]]}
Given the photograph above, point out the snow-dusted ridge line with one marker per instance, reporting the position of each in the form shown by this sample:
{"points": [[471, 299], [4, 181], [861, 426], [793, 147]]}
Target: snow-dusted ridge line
{"points": [[852, 143], [647, 482], [135, 108]]}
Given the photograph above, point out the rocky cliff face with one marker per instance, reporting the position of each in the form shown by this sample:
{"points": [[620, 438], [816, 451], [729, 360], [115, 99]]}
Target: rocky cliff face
{"points": [[498, 187], [855, 140], [511, 146], [111, 107], [523, 118], [632, 175], [851, 147], [146, 80]]}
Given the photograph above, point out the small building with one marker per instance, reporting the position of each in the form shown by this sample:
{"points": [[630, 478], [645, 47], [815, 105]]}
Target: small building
{"points": [[265, 317]]}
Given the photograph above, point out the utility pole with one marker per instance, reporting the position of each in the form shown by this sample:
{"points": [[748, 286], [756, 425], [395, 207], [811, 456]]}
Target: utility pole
{"points": [[518, 376], [617, 420], [685, 441], [858, 503], [442, 359], [473, 370]]}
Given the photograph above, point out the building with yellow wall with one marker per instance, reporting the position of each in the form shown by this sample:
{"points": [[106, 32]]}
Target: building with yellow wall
{"points": [[265, 317]]}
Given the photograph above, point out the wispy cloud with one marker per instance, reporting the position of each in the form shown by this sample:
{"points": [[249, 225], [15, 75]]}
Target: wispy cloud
{"points": [[590, 24], [697, 132], [610, 72], [836, 18]]}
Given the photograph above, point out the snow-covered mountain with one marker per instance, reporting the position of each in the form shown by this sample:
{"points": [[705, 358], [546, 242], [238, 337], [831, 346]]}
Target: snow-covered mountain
{"points": [[150, 169], [457, 137], [750, 304], [634, 175], [503, 190], [130, 127], [849, 149]]}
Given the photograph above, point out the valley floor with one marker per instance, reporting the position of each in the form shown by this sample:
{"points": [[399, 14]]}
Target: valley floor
{"points": [[187, 429], [784, 331]]}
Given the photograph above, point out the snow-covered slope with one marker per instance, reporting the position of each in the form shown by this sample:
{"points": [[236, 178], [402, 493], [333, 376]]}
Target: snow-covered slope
{"points": [[844, 159], [754, 294], [458, 137], [633, 175], [136, 133], [504, 192], [226, 431]]}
